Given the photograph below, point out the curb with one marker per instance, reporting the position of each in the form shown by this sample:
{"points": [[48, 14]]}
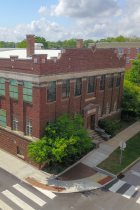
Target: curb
{"points": [[104, 172], [128, 167], [73, 165]]}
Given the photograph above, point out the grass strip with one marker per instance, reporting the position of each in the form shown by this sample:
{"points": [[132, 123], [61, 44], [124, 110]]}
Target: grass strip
{"points": [[129, 155]]}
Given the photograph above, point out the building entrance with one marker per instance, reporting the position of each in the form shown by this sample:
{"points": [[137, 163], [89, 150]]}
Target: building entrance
{"points": [[91, 122]]}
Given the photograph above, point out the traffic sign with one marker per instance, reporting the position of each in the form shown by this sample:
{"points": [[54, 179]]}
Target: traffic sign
{"points": [[122, 144]]}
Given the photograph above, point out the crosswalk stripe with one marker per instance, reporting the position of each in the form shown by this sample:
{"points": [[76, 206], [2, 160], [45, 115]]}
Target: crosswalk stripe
{"points": [[138, 201], [116, 186], [47, 193], [17, 200], [4, 206], [30, 195], [130, 192]]}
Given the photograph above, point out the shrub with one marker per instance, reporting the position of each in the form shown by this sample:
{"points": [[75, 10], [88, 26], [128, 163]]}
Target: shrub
{"points": [[109, 126], [128, 115]]}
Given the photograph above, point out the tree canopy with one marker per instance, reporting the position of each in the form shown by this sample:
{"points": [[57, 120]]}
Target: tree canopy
{"points": [[64, 139]]}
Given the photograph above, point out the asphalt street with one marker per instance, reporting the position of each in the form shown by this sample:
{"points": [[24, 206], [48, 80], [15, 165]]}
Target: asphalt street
{"points": [[17, 195]]}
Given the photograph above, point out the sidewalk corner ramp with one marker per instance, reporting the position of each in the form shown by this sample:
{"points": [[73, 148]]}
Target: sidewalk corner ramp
{"points": [[43, 186]]}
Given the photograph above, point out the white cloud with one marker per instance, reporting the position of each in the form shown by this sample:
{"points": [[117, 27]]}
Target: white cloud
{"points": [[42, 10], [124, 21], [84, 8]]}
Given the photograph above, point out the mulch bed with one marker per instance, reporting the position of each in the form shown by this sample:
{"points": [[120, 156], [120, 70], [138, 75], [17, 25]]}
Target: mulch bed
{"points": [[79, 171]]}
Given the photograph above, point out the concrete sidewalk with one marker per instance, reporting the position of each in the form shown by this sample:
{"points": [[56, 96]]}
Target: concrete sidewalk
{"points": [[29, 174]]}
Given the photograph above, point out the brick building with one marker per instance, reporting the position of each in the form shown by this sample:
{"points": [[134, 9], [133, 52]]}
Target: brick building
{"points": [[131, 49], [35, 90]]}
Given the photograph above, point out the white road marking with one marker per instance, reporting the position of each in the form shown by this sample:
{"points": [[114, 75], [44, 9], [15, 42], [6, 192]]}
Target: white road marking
{"points": [[116, 186], [30, 195], [135, 173], [130, 192], [138, 201], [4, 206], [17, 200], [46, 192]]}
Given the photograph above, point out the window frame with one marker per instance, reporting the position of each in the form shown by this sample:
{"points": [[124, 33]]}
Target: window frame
{"points": [[3, 118], [111, 81], [128, 50], [15, 123], [137, 51], [122, 49], [108, 108], [49, 94], [118, 81], [115, 105], [20, 151], [12, 86], [29, 127], [2, 84], [127, 60], [78, 89], [90, 81], [65, 88], [100, 111], [102, 80], [27, 89]]}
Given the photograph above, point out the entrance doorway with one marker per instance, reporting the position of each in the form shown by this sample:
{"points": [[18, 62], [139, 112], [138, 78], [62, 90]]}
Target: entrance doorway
{"points": [[91, 122]]}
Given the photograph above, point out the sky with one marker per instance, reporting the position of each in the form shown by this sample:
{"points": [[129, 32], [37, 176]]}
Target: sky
{"points": [[65, 19]]}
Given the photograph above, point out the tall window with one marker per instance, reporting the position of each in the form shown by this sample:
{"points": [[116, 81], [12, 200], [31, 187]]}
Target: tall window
{"points": [[15, 123], [2, 86], [91, 84], [115, 105], [66, 88], [102, 82], [27, 91], [100, 111], [121, 49], [107, 108], [127, 60], [3, 121], [137, 51], [28, 128], [118, 80], [128, 51], [111, 80], [78, 87], [51, 92], [13, 87]]}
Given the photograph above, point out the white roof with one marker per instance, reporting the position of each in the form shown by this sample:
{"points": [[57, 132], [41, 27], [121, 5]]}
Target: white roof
{"points": [[6, 53]]}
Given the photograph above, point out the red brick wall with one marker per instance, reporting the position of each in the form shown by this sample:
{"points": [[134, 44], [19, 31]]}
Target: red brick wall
{"points": [[132, 56], [73, 60], [7, 143]]}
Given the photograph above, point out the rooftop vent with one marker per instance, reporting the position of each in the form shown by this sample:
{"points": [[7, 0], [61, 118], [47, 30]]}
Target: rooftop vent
{"points": [[38, 46]]}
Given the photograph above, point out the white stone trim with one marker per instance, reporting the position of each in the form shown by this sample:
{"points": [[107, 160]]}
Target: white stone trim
{"points": [[54, 77], [89, 99]]}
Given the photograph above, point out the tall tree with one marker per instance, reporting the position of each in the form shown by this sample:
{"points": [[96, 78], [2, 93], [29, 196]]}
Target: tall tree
{"points": [[63, 140]]}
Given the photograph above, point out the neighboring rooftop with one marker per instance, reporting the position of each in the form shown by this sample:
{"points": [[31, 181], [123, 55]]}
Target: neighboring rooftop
{"points": [[21, 52], [114, 44]]}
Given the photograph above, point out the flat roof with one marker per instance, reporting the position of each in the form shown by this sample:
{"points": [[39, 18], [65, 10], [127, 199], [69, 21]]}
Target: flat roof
{"points": [[22, 53]]}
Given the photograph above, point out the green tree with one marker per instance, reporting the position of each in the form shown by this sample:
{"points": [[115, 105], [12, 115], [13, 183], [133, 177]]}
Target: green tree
{"points": [[21, 44], [64, 139], [130, 97], [133, 74], [42, 40]]}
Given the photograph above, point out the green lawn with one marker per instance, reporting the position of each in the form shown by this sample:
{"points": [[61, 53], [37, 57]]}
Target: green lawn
{"points": [[130, 154]]}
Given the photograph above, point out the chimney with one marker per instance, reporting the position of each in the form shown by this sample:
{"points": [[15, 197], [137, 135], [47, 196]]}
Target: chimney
{"points": [[79, 43], [30, 44]]}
